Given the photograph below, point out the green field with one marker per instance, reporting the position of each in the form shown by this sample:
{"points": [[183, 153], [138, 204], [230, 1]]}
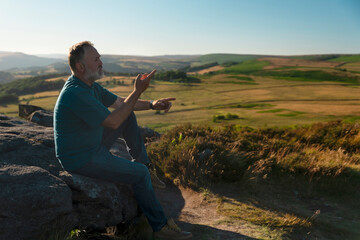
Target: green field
{"points": [[223, 58], [349, 58], [272, 97]]}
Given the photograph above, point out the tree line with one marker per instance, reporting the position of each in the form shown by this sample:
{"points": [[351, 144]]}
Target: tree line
{"points": [[175, 76], [9, 92]]}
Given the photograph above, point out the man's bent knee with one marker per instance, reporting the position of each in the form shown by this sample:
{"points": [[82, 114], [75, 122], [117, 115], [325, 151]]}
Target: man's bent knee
{"points": [[143, 173]]}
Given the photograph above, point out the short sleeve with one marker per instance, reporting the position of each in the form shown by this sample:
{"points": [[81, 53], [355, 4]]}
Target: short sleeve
{"points": [[108, 98], [87, 107]]}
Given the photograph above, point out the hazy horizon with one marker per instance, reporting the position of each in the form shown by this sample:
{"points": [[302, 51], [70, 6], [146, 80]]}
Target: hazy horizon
{"points": [[64, 55]]}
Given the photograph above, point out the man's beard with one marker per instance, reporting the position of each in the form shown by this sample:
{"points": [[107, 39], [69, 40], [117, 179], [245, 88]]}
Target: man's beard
{"points": [[93, 76]]}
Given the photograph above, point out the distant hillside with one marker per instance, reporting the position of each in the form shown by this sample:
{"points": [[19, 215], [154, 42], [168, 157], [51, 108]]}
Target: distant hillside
{"points": [[9, 60], [54, 55], [347, 58], [6, 77], [35, 65], [330, 57], [136, 64], [19, 64], [223, 58], [32, 85]]}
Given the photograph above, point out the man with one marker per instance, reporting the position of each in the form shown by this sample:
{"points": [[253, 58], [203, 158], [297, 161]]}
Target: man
{"points": [[85, 129]]}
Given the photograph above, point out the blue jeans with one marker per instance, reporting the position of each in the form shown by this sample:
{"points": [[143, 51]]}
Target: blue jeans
{"points": [[108, 167]]}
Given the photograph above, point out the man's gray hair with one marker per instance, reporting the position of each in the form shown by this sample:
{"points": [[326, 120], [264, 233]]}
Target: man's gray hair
{"points": [[76, 53]]}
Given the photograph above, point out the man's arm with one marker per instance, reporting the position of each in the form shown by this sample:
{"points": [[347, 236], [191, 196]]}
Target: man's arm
{"points": [[120, 114], [139, 105], [161, 104]]}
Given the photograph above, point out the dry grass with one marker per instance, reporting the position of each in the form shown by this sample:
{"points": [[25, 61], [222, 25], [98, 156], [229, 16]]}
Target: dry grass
{"points": [[354, 66], [197, 103], [41, 95], [57, 78], [10, 110], [236, 210], [207, 70], [290, 181]]}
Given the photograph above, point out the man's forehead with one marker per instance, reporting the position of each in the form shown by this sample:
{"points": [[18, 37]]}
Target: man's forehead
{"points": [[91, 51]]}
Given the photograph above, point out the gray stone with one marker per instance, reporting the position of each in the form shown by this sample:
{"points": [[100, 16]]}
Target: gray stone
{"points": [[100, 204], [31, 200], [42, 117], [25, 110], [149, 134], [38, 194]]}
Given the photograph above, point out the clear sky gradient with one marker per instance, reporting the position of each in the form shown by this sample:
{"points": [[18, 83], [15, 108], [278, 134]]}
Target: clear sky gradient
{"points": [[159, 27]]}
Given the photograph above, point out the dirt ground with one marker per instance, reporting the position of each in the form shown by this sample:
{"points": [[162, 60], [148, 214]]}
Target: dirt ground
{"points": [[196, 212]]}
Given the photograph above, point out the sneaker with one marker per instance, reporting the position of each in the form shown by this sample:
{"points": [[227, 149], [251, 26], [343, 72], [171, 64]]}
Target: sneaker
{"points": [[156, 182], [172, 232]]}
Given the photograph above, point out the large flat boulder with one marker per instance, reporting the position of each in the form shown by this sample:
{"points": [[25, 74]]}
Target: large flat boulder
{"points": [[31, 199], [36, 193]]}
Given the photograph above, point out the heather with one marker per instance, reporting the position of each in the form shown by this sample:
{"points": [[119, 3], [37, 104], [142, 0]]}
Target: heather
{"points": [[327, 154]]}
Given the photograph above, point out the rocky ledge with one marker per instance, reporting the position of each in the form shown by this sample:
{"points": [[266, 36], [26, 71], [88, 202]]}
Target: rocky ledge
{"points": [[37, 195]]}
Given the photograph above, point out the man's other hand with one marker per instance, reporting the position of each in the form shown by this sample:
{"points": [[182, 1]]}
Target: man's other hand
{"points": [[163, 104]]}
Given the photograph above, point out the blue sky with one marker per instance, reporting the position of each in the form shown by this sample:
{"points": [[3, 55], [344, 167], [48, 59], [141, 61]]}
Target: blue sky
{"points": [[158, 27]]}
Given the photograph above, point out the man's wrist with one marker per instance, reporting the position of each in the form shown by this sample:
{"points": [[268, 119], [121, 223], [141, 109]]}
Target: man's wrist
{"points": [[151, 106]]}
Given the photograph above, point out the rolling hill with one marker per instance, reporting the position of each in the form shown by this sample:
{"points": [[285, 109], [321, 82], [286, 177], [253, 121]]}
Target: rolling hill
{"points": [[20, 65], [11, 60]]}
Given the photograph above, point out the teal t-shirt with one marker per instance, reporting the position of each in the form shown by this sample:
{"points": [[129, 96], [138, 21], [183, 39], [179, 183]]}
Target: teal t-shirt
{"points": [[78, 114]]}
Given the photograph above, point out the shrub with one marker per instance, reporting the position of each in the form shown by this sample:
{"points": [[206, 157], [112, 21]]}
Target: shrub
{"points": [[179, 154], [201, 155], [32, 85], [228, 116], [7, 98]]}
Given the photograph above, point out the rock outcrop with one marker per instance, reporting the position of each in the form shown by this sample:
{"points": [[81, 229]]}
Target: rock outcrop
{"points": [[36, 114], [37, 194]]}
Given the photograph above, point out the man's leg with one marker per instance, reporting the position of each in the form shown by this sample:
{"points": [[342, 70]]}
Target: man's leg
{"points": [[111, 168], [130, 131]]}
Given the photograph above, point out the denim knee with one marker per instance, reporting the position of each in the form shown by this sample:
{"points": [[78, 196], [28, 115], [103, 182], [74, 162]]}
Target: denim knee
{"points": [[132, 117], [144, 175], [144, 172]]}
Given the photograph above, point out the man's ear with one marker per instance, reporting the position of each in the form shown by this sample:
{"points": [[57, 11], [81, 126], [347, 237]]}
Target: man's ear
{"points": [[80, 67]]}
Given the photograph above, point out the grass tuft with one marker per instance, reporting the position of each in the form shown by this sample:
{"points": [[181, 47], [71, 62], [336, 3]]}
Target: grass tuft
{"points": [[323, 152]]}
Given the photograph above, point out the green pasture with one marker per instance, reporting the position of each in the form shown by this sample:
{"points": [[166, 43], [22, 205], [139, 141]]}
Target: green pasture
{"points": [[272, 98], [246, 67], [223, 58], [348, 58], [271, 102], [310, 76], [330, 57]]}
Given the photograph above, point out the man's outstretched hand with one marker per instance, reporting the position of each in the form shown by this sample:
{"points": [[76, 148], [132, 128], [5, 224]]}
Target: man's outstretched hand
{"points": [[142, 81], [163, 104]]}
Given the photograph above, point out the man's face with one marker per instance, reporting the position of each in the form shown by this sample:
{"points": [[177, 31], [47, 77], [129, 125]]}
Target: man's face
{"points": [[92, 64]]}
